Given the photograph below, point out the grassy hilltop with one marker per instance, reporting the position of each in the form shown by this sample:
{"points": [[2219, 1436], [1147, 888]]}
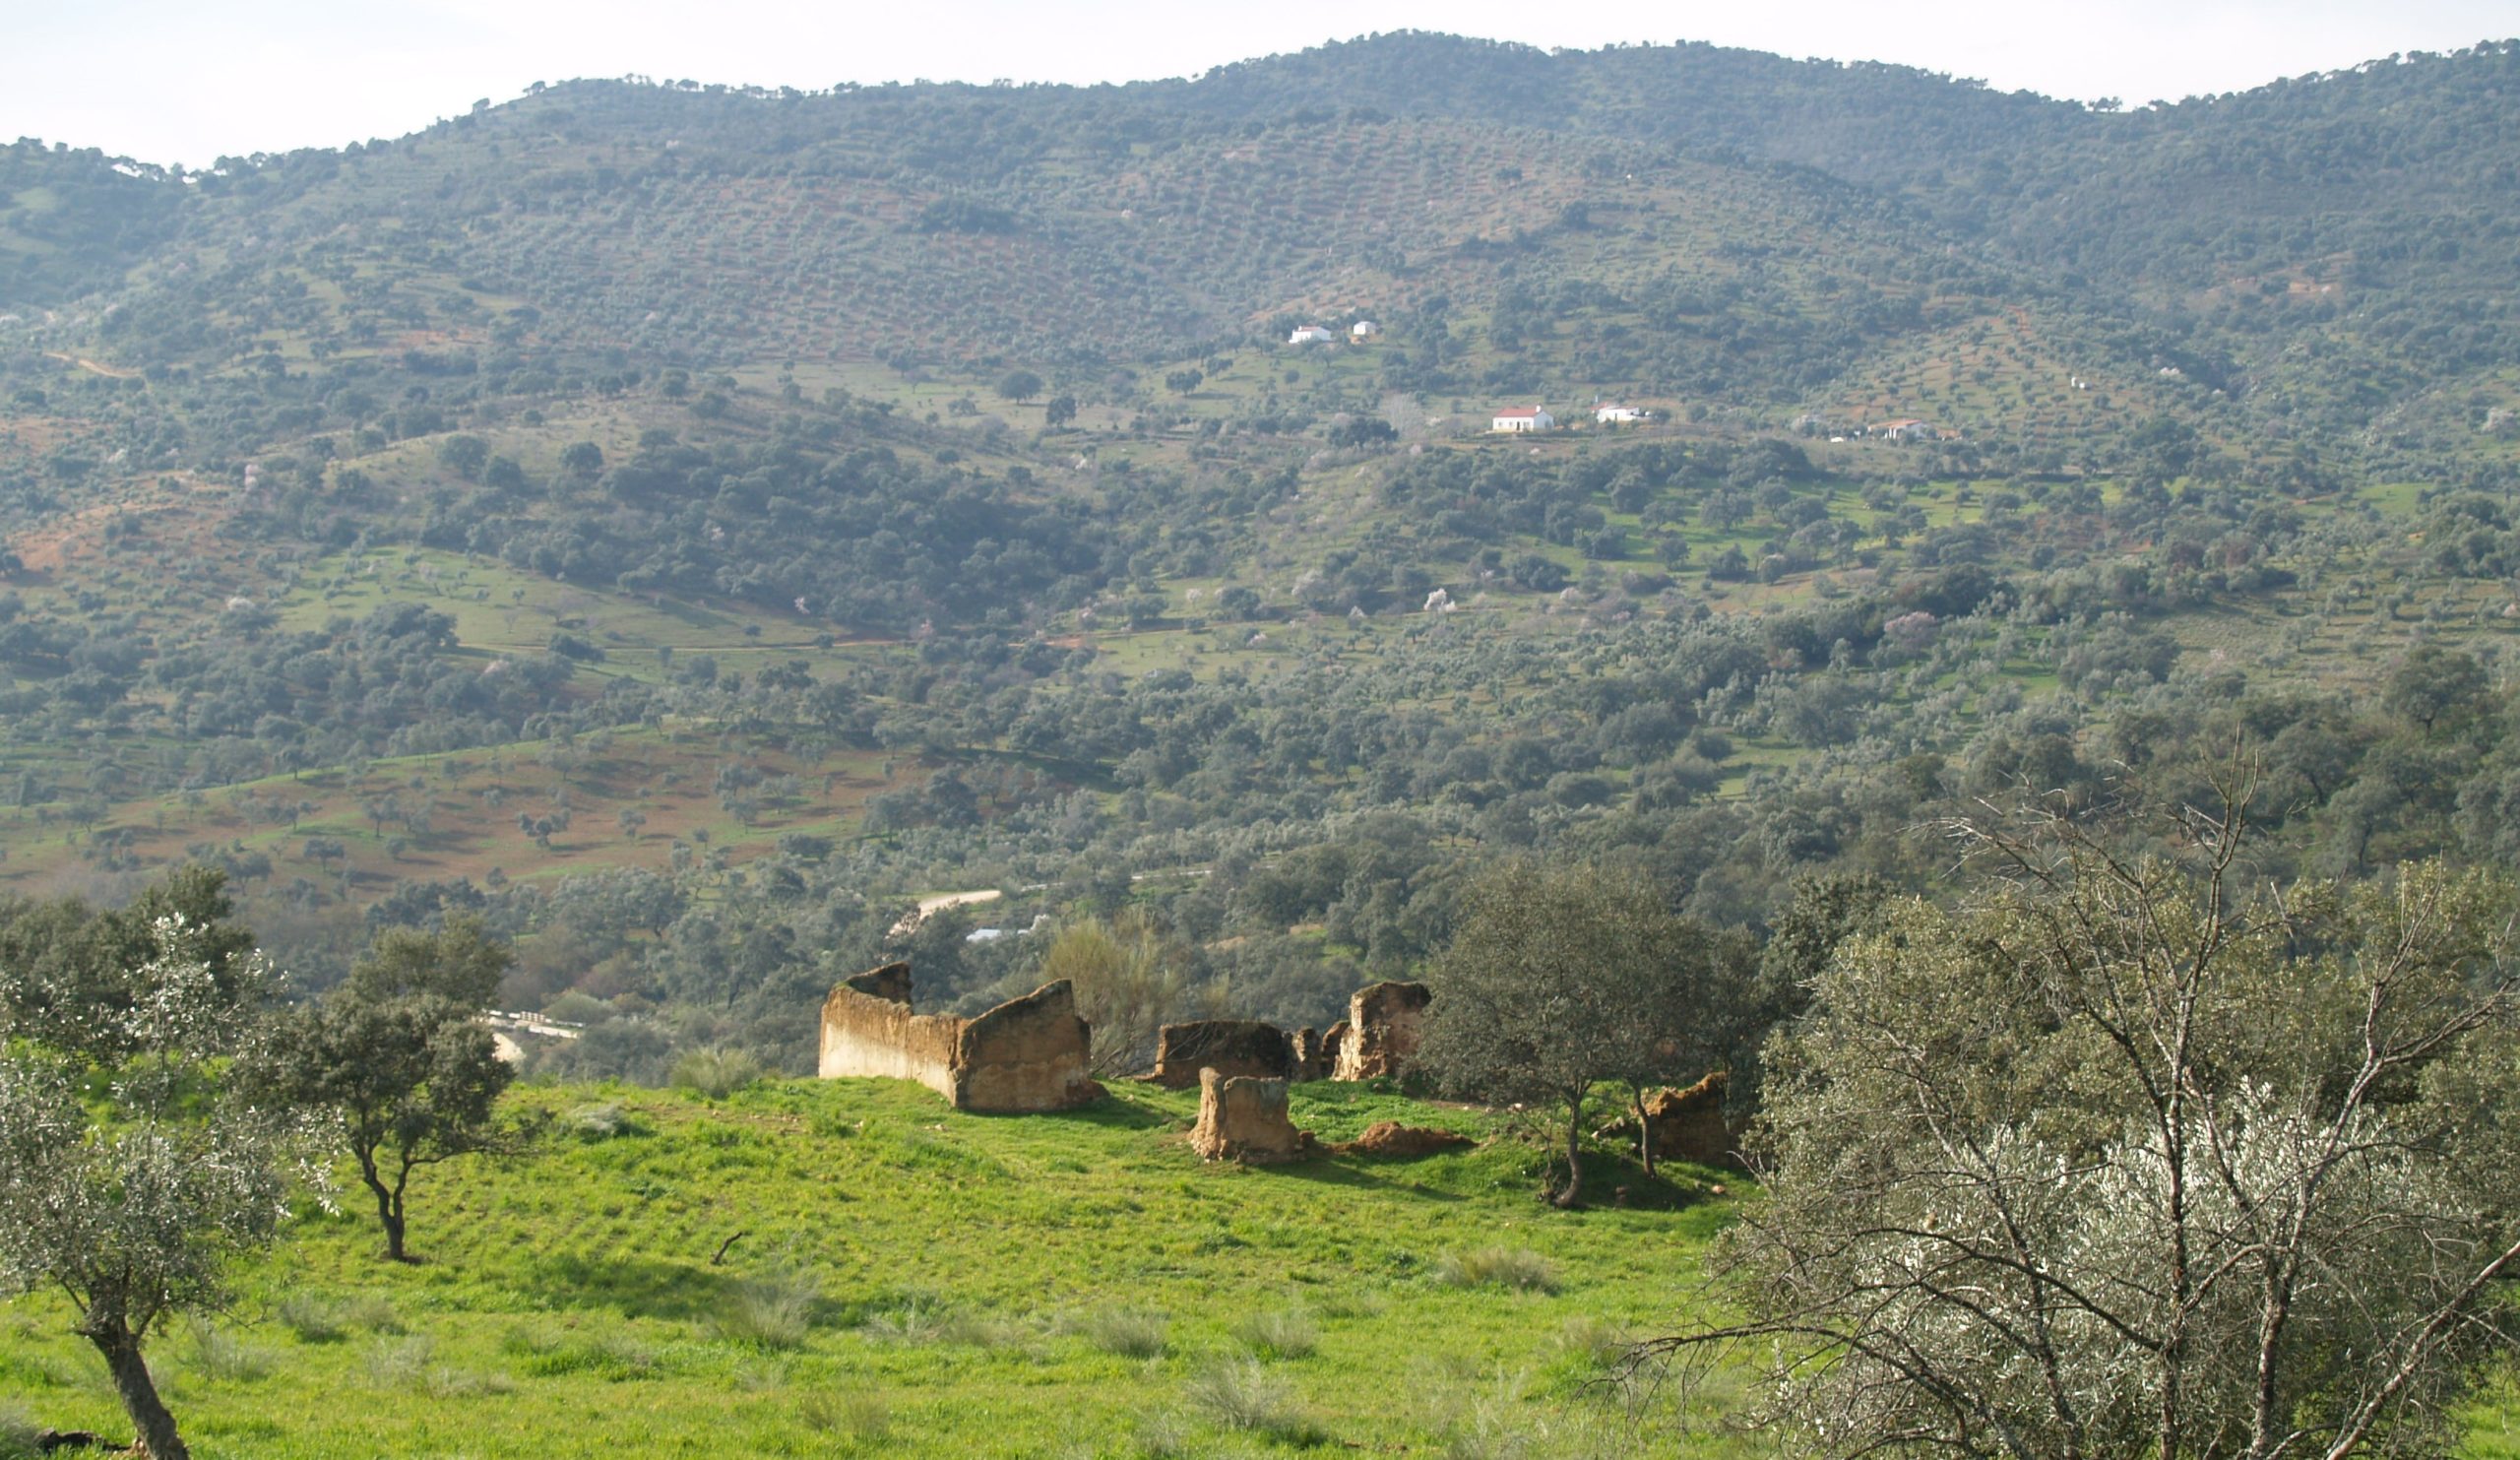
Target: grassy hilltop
{"points": [[915, 1280]]}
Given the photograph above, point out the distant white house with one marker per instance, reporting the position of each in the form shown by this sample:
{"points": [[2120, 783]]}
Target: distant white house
{"points": [[1904, 430], [1310, 334], [1524, 419], [1363, 329], [1611, 414]]}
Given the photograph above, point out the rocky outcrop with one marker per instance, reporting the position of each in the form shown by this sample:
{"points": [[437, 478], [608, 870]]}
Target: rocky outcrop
{"points": [[1390, 1139], [1243, 1119], [1382, 1030], [1025, 1054], [1230, 1047]]}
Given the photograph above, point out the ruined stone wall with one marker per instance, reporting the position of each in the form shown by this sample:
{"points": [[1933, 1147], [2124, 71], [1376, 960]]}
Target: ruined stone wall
{"points": [[868, 1029], [1382, 1030], [1230, 1047], [1024, 1054], [1243, 1119]]}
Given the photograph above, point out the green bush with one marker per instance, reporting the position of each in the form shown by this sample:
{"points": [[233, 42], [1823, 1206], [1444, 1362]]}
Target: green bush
{"points": [[601, 1121], [859, 1414], [772, 1310], [1517, 1268], [716, 1072], [326, 1320], [1128, 1332], [228, 1358], [1288, 1333], [1243, 1394], [18, 1435]]}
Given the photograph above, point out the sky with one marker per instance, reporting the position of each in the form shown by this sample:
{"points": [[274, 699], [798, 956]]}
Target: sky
{"points": [[191, 81]]}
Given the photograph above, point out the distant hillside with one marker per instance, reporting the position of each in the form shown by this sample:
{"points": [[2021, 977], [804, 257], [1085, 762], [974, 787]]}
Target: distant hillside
{"points": [[689, 523]]}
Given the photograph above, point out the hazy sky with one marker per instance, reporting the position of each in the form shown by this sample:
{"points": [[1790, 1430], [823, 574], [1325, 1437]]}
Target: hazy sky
{"points": [[187, 81]]}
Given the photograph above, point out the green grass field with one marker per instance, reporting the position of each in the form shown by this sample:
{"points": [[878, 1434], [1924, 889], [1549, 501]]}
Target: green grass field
{"points": [[914, 1281]]}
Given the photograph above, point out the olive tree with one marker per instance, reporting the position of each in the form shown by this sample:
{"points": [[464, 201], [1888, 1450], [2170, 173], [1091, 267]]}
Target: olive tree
{"points": [[2120, 1158], [133, 1206]]}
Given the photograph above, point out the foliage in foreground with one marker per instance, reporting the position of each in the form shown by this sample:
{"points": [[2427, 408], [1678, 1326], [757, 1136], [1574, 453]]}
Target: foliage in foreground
{"points": [[2123, 1158], [135, 1208]]}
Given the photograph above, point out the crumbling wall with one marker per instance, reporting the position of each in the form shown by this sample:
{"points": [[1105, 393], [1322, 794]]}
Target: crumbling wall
{"points": [[1243, 1118], [1382, 1030], [1230, 1047], [868, 1029], [1313, 1059], [1024, 1054], [1688, 1124]]}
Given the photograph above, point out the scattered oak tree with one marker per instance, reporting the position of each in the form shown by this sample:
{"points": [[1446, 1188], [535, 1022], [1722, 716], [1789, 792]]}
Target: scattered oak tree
{"points": [[133, 1206], [2122, 1159], [400, 1057], [1554, 981]]}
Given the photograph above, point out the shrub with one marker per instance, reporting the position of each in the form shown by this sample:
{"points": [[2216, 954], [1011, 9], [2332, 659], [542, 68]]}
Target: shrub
{"points": [[601, 1122], [772, 1310], [716, 1072], [1243, 1394], [1594, 1341], [326, 1320], [1517, 1268], [859, 1414], [1286, 1334], [1128, 1332], [231, 1360], [18, 1435], [398, 1364], [917, 1323]]}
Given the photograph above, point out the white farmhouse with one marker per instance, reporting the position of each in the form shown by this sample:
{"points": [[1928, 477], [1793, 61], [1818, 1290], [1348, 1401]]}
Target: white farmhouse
{"points": [[1363, 329], [1522, 418], [1309, 335], [1611, 414]]}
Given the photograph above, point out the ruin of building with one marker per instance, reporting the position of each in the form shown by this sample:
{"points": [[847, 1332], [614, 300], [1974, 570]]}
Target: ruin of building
{"points": [[1230, 1047], [1244, 1118], [1025, 1056], [1382, 1033]]}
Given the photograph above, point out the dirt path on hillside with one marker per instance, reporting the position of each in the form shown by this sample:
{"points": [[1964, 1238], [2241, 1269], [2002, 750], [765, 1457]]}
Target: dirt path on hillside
{"points": [[110, 372]]}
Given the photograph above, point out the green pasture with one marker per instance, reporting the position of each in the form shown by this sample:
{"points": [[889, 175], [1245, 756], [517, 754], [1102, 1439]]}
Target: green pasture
{"points": [[913, 1281]]}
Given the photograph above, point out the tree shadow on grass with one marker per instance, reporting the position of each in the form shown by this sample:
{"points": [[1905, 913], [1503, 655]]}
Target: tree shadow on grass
{"points": [[634, 1287], [1363, 1174], [1107, 1113]]}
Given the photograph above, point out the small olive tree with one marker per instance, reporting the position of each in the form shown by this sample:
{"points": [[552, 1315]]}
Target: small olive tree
{"points": [[2120, 1159], [134, 1206]]}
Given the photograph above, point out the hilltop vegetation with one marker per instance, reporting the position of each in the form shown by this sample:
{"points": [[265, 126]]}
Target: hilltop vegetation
{"points": [[688, 524]]}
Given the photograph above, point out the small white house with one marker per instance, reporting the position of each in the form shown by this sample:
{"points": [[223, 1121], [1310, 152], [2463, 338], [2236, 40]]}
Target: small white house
{"points": [[1363, 329], [1614, 415], [1531, 419], [1310, 334]]}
